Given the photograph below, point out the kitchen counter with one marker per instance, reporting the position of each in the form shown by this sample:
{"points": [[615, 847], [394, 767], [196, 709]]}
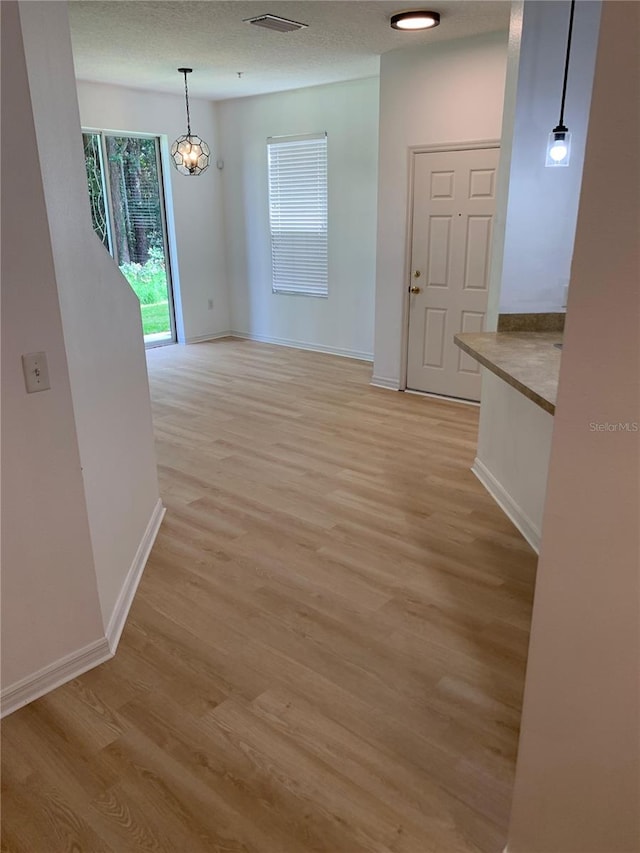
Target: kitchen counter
{"points": [[528, 361]]}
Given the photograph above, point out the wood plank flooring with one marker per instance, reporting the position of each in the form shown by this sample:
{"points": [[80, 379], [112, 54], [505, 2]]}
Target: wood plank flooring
{"points": [[326, 653]]}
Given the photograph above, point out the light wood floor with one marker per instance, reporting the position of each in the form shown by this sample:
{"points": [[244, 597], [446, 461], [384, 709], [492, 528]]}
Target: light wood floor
{"points": [[327, 649]]}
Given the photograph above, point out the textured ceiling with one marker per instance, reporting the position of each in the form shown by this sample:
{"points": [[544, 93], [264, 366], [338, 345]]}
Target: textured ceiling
{"points": [[141, 44]]}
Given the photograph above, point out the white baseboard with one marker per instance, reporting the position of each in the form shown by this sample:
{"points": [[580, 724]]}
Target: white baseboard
{"points": [[213, 336], [287, 342], [383, 382], [72, 665], [54, 675], [134, 575], [443, 397], [507, 504]]}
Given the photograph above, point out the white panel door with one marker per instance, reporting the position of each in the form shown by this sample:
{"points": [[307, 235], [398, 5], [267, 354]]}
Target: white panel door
{"points": [[453, 207]]}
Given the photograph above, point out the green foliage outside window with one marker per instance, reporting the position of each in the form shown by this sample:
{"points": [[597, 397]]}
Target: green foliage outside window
{"points": [[149, 280]]}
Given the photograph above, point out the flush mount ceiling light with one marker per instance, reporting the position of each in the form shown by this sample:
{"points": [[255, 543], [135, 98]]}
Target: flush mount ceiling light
{"points": [[417, 19], [190, 154], [274, 22], [559, 144]]}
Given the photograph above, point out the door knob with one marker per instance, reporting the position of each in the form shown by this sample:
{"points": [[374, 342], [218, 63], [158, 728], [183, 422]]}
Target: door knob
{"points": [[415, 289]]}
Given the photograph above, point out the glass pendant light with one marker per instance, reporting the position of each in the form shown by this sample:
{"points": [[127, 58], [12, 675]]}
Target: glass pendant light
{"points": [[189, 153], [559, 143]]}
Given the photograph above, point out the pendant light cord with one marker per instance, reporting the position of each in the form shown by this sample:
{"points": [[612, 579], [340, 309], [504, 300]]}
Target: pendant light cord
{"points": [[186, 98], [566, 63]]}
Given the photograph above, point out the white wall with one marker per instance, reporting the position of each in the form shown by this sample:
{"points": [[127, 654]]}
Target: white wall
{"points": [[578, 773], [450, 92], [349, 113], [196, 202], [512, 461], [543, 202], [50, 605], [100, 318]]}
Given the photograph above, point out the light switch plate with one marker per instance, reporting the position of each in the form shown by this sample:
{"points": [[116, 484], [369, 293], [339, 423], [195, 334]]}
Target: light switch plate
{"points": [[36, 372]]}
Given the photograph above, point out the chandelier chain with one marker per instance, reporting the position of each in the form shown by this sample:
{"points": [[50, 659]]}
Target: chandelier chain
{"points": [[186, 99]]}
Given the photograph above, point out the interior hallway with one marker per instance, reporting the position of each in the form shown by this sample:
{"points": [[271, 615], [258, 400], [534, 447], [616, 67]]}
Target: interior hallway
{"points": [[327, 648]]}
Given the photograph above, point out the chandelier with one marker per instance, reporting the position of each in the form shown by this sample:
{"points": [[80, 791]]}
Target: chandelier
{"points": [[190, 153]]}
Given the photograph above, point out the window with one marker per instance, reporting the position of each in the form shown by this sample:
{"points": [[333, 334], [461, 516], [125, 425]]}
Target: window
{"points": [[298, 213], [124, 179]]}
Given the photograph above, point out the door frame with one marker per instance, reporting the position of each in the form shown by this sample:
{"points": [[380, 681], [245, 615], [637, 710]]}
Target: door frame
{"points": [[412, 151]]}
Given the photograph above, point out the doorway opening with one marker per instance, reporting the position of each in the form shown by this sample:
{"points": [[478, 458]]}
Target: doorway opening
{"points": [[125, 182]]}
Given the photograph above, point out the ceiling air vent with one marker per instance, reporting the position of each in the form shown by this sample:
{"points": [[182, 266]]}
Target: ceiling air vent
{"points": [[273, 22]]}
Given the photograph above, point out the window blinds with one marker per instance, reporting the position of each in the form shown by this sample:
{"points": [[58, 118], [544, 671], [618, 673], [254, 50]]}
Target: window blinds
{"points": [[298, 213]]}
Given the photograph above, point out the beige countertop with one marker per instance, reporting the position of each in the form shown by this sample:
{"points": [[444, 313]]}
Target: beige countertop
{"points": [[528, 361]]}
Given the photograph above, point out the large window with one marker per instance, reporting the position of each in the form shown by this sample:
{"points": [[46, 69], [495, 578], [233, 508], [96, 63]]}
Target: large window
{"points": [[127, 211], [298, 213]]}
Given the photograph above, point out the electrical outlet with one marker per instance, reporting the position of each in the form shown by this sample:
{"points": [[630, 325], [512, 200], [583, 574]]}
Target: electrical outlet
{"points": [[36, 372], [209, 304]]}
